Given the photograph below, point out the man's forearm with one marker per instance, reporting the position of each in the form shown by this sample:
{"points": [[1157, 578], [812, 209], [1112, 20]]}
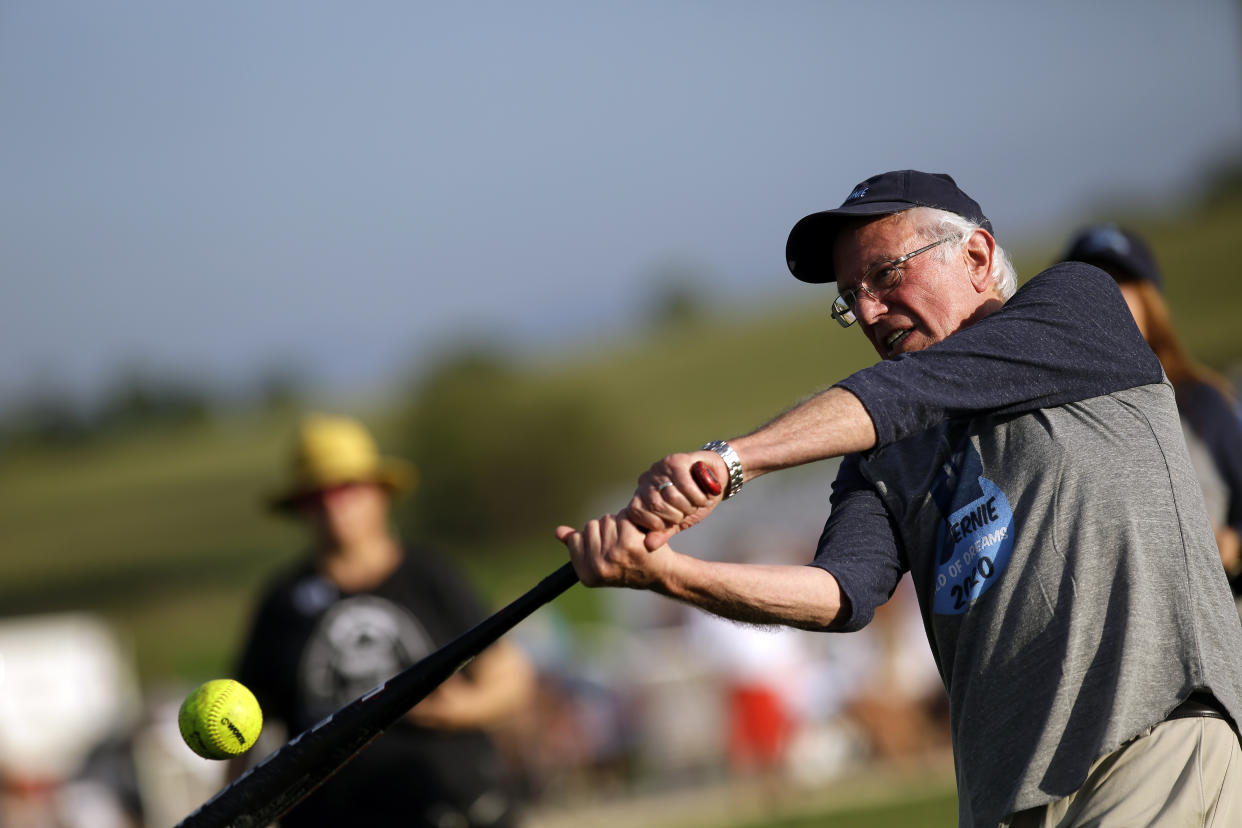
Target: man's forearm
{"points": [[830, 424], [796, 596]]}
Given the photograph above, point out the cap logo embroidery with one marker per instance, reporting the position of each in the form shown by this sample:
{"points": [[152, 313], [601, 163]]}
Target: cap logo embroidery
{"points": [[858, 192]]}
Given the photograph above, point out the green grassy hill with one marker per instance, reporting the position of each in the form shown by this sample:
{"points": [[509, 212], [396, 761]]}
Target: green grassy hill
{"points": [[161, 532]]}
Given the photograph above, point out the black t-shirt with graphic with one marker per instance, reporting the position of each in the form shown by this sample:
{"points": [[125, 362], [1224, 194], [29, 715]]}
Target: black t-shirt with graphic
{"points": [[313, 649]]}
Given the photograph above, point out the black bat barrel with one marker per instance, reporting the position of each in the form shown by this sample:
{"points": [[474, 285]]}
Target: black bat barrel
{"points": [[283, 779]]}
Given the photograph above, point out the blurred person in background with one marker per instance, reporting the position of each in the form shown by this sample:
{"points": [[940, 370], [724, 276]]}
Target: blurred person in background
{"points": [[358, 609], [758, 670], [1018, 452], [1204, 399]]}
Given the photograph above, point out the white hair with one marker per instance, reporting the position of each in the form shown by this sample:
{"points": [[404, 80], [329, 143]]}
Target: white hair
{"points": [[937, 224]]}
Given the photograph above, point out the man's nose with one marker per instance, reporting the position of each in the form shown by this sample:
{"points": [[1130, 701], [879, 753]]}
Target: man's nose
{"points": [[869, 308]]}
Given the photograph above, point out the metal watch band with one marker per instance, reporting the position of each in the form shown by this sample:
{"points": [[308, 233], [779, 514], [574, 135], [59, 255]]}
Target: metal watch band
{"points": [[732, 461]]}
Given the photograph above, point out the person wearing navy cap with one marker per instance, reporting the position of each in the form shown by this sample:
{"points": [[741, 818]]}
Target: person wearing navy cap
{"points": [[1018, 451], [1204, 399]]}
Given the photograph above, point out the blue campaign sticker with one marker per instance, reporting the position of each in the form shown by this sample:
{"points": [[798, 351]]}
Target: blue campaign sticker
{"points": [[976, 544]]}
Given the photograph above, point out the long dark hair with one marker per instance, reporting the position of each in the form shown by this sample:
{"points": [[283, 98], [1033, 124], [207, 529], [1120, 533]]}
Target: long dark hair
{"points": [[1178, 364]]}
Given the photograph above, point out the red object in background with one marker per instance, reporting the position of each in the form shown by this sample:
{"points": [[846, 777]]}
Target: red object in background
{"points": [[759, 727]]}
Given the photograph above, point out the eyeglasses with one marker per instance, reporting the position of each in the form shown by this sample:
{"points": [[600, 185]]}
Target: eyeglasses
{"points": [[880, 280]]}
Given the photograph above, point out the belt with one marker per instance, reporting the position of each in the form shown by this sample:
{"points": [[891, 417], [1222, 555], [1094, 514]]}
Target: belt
{"points": [[1200, 705]]}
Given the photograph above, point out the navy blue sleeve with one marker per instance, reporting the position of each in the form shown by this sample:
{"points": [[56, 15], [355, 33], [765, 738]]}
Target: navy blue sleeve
{"points": [[1066, 335], [1214, 419], [858, 547]]}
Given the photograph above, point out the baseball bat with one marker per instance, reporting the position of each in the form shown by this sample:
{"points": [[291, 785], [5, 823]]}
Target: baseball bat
{"points": [[288, 775]]}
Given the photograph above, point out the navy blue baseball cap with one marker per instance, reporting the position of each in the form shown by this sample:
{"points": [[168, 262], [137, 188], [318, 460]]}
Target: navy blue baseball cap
{"points": [[809, 249], [1119, 251]]}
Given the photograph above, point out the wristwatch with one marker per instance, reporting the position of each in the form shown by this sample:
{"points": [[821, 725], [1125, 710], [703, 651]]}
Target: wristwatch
{"points": [[732, 461]]}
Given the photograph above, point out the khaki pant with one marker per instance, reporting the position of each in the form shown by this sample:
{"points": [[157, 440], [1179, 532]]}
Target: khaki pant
{"points": [[1183, 772]]}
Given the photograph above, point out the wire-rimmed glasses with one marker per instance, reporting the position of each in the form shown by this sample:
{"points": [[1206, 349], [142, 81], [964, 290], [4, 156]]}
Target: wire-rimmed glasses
{"points": [[880, 280]]}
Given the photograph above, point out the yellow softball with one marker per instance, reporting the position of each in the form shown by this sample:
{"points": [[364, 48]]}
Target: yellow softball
{"points": [[220, 719]]}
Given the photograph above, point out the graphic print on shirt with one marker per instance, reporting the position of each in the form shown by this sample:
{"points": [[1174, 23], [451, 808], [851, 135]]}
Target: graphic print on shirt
{"points": [[976, 539], [358, 644]]}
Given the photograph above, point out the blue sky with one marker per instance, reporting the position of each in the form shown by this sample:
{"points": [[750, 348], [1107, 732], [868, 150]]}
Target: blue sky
{"points": [[207, 188]]}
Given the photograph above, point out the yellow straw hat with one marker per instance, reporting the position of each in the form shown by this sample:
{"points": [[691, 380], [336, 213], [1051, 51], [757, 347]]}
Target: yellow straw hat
{"points": [[331, 451]]}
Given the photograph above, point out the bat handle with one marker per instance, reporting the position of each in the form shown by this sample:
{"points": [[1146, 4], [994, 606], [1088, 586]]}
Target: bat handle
{"points": [[705, 479]]}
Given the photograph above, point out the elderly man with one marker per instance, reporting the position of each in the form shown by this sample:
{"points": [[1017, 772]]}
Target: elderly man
{"points": [[1019, 453]]}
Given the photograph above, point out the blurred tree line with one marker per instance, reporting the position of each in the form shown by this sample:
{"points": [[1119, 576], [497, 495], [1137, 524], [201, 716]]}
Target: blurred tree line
{"points": [[138, 399], [503, 449], [504, 453], [507, 448], [501, 456]]}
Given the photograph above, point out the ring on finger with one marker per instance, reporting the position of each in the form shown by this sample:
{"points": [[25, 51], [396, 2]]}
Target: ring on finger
{"points": [[664, 485]]}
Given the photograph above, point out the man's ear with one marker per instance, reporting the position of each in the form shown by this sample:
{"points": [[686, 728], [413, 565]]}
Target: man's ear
{"points": [[979, 250]]}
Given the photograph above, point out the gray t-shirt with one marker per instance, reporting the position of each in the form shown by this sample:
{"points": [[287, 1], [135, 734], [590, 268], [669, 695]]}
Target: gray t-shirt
{"points": [[1032, 476]]}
